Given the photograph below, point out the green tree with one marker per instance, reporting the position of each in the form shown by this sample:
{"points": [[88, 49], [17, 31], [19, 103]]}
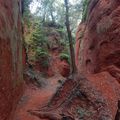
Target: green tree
{"points": [[46, 10], [85, 4], [26, 11], [72, 54]]}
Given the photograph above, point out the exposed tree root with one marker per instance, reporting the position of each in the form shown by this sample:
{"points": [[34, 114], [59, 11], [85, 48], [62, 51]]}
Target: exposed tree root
{"points": [[76, 100], [49, 115], [34, 77]]}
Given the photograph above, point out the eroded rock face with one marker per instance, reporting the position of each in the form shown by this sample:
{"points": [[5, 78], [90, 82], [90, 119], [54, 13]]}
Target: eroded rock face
{"points": [[100, 46], [56, 66], [95, 91], [53, 64], [98, 49], [10, 56]]}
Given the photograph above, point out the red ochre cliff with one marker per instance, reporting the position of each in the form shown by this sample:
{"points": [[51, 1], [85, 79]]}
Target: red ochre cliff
{"points": [[98, 37], [98, 49], [95, 91], [11, 77]]}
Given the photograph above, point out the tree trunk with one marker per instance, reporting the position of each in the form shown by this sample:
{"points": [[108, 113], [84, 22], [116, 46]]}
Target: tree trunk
{"points": [[117, 117], [72, 54], [52, 17], [44, 17]]}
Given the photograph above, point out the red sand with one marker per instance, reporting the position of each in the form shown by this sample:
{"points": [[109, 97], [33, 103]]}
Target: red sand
{"points": [[35, 97]]}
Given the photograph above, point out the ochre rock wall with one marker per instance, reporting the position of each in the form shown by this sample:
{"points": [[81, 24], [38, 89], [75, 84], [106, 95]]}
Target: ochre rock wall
{"points": [[10, 56], [95, 91], [100, 46], [98, 49]]}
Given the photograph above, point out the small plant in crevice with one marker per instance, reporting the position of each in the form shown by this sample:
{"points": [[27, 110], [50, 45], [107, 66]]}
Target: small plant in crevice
{"points": [[81, 35], [82, 112]]}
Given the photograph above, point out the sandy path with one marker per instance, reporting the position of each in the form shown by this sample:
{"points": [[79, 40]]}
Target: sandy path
{"points": [[35, 97]]}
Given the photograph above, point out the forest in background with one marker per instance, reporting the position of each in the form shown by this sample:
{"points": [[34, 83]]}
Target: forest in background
{"points": [[50, 19]]}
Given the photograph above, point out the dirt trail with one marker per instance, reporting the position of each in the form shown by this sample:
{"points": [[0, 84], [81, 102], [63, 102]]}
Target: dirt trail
{"points": [[34, 98]]}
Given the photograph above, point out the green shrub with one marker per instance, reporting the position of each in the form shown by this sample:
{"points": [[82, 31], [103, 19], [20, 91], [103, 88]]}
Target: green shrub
{"points": [[62, 42], [45, 63], [43, 56], [42, 53], [85, 9], [66, 57]]}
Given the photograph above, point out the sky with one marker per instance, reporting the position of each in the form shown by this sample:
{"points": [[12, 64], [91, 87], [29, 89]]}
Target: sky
{"points": [[34, 5]]}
